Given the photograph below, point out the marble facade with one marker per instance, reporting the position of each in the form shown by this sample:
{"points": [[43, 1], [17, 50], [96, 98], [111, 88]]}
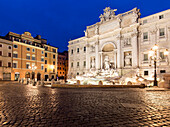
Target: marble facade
{"points": [[121, 42]]}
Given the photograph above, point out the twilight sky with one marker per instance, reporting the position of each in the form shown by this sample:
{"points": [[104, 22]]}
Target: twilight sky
{"points": [[58, 21]]}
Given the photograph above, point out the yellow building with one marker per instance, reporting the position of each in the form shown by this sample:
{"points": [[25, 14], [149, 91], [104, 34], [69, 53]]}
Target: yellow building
{"points": [[29, 57], [5, 59]]}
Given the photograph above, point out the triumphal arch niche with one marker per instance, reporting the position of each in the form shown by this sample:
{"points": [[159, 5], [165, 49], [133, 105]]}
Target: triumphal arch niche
{"points": [[108, 56]]}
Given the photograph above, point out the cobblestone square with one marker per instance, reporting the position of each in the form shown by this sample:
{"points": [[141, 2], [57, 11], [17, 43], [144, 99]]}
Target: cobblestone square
{"points": [[25, 105]]}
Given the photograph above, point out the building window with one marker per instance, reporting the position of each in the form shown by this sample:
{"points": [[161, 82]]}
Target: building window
{"points": [[54, 50], [162, 55], [146, 73], [63, 72], [28, 56], [0, 53], [53, 70], [42, 67], [42, 58], [0, 45], [53, 56], [77, 50], [15, 46], [33, 50], [9, 47], [161, 16], [27, 65], [72, 51], [84, 63], [28, 49], [145, 36], [84, 49], [14, 64], [42, 52], [45, 54], [53, 62], [33, 57], [72, 64], [77, 73], [45, 61], [162, 71], [77, 64], [161, 32], [145, 57], [60, 72], [145, 21], [15, 55], [45, 69], [63, 68], [9, 64], [0, 63], [9, 54]]}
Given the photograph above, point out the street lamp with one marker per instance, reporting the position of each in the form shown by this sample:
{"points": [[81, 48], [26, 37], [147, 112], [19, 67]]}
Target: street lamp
{"points": [[153, 56]]}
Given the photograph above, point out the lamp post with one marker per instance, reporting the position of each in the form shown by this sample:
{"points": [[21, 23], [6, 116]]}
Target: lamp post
{"points": [[153, 55]]}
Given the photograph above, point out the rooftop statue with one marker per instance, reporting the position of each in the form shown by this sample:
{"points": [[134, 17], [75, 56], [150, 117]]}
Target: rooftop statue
{"points": [[108, 14]]}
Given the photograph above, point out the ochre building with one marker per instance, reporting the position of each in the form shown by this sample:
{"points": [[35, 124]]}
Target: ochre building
{"points": [[29, 57]]}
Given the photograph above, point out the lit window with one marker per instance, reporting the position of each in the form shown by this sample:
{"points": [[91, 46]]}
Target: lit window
{"points": [[33, 57], [28, 56], [15, 55]]}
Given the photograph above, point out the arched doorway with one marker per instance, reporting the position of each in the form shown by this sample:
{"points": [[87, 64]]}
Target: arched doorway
{"points": [[108, 56], [38, 76]]}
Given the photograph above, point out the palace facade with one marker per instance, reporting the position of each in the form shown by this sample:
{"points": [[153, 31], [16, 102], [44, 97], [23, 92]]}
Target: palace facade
{"points": [[31, 58], [122, 42]]}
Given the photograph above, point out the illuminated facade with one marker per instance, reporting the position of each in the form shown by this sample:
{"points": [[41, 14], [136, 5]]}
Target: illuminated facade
{"points": [[122, 42], [5, 59], [62, 65], [29, 57]]}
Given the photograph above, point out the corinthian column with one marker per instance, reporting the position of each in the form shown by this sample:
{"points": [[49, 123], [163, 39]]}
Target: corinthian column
{"points": [[97, 55], [135, 59], [119, 57]]}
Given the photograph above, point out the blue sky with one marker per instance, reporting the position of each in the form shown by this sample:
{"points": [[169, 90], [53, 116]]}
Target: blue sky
{"points": [[58, 21]]}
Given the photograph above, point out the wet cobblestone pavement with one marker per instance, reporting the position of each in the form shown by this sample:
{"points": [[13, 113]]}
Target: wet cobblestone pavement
{"points": [[22, 105]]}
